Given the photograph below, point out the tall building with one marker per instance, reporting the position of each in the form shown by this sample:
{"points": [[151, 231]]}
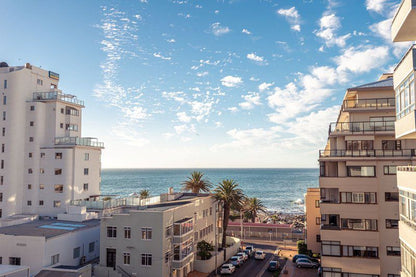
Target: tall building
{"points": [[359, 195], [313, 220], [44, 161], [403, 28]]}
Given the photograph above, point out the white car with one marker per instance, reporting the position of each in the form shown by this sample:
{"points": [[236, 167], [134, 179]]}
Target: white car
{"points": [[236, 261], [242, 255], [259, 255], [227, 269]]}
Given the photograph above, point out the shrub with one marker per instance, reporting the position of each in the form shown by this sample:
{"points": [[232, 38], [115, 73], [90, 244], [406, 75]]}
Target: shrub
{"points": [[203, 250], [302, 247]]}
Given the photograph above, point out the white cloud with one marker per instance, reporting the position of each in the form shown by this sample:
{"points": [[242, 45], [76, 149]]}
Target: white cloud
{"points": [[233, 109], [252, 100], [245, 31], [183, 117], [231, 81], [264, 86], [202, 74], [219, 30], [329, 24], [254, 57], [292, 16], [172, 40], [376, 5], [362, 59], [158, 55]]}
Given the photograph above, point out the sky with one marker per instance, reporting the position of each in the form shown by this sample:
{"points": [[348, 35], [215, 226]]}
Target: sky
{"points": [[197, 84]]}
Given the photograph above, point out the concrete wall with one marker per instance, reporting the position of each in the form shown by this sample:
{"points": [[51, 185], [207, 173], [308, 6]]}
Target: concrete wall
{"points": [[313, 227]]}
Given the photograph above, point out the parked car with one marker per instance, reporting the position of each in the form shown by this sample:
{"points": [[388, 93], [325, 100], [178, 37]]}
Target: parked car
{"points": [[236, 261], [260, 255], [301, 262], [298, 256], [250, 249], [227, 269], [243, 255], [273, 266]]}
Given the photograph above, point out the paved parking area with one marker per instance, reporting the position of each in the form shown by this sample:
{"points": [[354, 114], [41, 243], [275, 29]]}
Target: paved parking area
{"points": [[293, 271]]}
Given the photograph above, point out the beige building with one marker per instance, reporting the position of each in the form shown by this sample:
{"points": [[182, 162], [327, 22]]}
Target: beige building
{"points": [[313, 220], [359, 195], [159, 239], [404, 29]]}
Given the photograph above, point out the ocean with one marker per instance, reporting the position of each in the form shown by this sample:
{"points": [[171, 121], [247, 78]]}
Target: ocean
{"points": [[277, 188]]}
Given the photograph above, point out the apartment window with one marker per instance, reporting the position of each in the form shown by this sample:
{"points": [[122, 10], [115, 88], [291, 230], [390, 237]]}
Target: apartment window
{"points": [[41, 170], [41, 186], [1, 213], [61, 125], [30, 171], [317, 203], [5, 84], [31, 123], [55, 259], [318, 238], [91, 247], [59, 188], [126, 258], [318, 220], [4, 115], [2, 164], [15, 261], [147, 259], [127, 232], [42, 155], [393, 275], [31, 139], [29, 203], [4, 100], [57, 204], [389, 170], [1, 197], [392, 223], [58, 171], [62, 110], [360, 251], [331, 248], [392, 196], [86, 171], [359, 197], [2, 148], [391, 145], [86, 156], [359, 145], [3, 132], [32, 108], [58, 156], [40, 82], [393, 251], [76, 252], [86, 187], [146, 233], [1, 180], [71, 127], [29, 186], [361, 171], [30, 155], [1, 260], [41, 202], [359, 224], [111, 232], [210, 211]]}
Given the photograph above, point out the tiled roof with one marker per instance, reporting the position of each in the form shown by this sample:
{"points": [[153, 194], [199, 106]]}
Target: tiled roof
{"points": [[379, 84]]}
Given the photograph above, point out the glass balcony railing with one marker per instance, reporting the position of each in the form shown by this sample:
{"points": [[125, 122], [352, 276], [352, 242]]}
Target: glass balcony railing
{"points": [[372, 104], [57, 95], [93, 142], [361, 127], [367, 153]]}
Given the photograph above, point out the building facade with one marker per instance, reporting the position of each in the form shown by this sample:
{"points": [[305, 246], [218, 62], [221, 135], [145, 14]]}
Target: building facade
{"points": [[44, 161], [160, 239], [313, 220], [359, 195], [404, 29]]}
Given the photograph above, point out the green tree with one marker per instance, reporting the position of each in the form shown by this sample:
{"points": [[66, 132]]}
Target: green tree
{"points": [[196, 183], [203, 250], [253, 206], [144, 193], [302, 247]]}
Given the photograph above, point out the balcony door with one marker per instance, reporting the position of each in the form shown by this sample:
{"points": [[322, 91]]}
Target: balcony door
{"points": [[111, 258]]}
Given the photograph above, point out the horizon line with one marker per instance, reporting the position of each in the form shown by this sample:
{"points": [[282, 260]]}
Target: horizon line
{"points": [[210, 168]]}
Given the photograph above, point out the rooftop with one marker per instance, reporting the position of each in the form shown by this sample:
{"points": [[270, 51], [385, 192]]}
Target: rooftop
{"points": [[378, 84], [48, 228], [10, 269]]}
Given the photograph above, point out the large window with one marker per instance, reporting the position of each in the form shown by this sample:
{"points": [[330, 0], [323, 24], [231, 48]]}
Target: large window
{"points": [[331, 248], [146, 233], [359, 224], [111, 232], [408, 207], [391, 145], [76, 252], [389, 170], [359, 197], [55, 259], [359, 251], [147, 259], [126, 258], [361, 171], [392, 196], [392, 223], [393, 251], [127, 232], [405, 97], [359, 145], [15, 261]]}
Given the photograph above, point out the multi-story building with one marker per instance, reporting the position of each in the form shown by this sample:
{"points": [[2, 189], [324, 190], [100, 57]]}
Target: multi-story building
{"points": [[404, 29], [159, 239], [359, 195], [44, 161], [313, 220]]}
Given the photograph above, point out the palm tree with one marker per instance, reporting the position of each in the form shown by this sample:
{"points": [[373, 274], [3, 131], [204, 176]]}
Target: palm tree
{"points": [[144, 193], [231, 196], [196, 183], [253, 206]]}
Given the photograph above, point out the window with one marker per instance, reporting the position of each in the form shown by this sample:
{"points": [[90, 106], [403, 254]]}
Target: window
{"points": [[1, 197], [392, 196], [393, 251], [331, 248], [392, 223], [59, 188], [76, 252], [389, 170], [61, 125], [86, 156], [111, 232], [1, 213], [29, 171], [391, 144], [146, 233], [317, 203], [58, 156], [147, 259], [31, 139], [91, 247], [86, 171], [71, 127], [360, 251], [1, 180], [2, 164], [55, 259], [14, 260], [32, 108], [4, 115], [318, 238], [29, 186], [42, 155], [393, 275], [359, 145], [56, 204], [359, 197], [41, 202], [4, 100], [41, 170], [127, 232], [3, 132], [40, 82], [126, 258], [359, 224], [361, 171], [318, 220], [31, 123], [41, 186], [30, 155], [2, 148], [62, 110], [29, 203], [5, 84], [86, 187], [58, 171]]}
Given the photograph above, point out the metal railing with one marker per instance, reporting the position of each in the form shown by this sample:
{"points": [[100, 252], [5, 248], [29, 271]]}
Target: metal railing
{"points": [[411, 168], [93, 142], [367, 153], [375, 103], [115, 202], [361, 127], [57, 95], [330, 227]]}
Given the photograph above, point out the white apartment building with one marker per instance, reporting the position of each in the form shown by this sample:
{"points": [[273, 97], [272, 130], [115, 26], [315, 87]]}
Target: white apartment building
{"points": [[44, 161], [159, 240]]}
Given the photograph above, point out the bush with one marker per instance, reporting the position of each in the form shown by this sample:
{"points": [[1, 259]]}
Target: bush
{"points": [[203, 250], [302, 247]]}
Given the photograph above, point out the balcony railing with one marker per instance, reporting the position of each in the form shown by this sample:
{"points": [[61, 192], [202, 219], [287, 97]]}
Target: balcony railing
{"points": [[411, 168], [367, 153], [372, 104], [57, 95], [93, 142], [329, 201], [111, 203], [330, 227], [361, 127]]}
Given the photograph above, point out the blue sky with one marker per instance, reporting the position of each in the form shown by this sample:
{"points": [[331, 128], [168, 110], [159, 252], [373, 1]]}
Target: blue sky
{"points": [[205, 83]]}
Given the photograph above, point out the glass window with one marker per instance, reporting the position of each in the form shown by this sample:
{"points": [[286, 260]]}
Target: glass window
{"points": [[147, 259], [361, 171], [146, 233], [111, 232], [393, 251], [392, 223], [59, 188], [127, 232], [389, 170], [91, 247], [126, 258], [392, 196], [58, 156], [331, 248], [76, 252]]}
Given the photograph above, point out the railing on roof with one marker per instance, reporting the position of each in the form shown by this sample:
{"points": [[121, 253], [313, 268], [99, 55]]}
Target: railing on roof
{"points": [[86, 141], [361, 127], [367, 153], [371, 104], [110, 203], [411, 168], [57, 95]]}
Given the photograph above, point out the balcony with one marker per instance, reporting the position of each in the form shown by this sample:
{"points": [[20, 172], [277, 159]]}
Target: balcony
{"points": [[379, 153], [404, 22], [183, 230], [181, 263], [57, 95], [330, 222], [364, 127], [87, 141], [369, 104]]}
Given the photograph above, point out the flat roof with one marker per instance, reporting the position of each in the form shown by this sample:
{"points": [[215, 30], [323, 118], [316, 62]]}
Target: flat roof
{"points": [[48, 228], [9, 269]]}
